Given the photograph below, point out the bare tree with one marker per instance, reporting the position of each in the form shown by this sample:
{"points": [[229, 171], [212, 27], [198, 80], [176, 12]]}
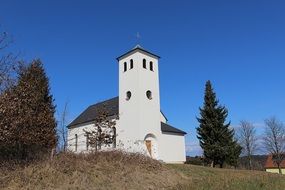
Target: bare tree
{"points": [[104, 131], [8, 63], [248, 140], [274, 140], [62, 128]]}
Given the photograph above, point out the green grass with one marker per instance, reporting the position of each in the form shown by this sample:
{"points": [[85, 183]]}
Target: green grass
{"points": [[200, 178]]}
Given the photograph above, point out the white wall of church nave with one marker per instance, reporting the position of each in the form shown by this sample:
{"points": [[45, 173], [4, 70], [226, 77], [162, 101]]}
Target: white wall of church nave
{"points": [[80, 131], [81, 138], [172, 148]]}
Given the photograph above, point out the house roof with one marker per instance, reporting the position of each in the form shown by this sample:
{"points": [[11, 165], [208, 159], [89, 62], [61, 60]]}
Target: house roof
{"points": [[112, 107], [137, 49], [271, 164]]}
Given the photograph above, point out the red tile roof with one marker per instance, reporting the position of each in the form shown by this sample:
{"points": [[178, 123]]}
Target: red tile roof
{"points": [[271, 164]]}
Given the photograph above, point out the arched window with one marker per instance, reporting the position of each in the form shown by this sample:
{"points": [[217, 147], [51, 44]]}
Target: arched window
{"points": [[149, 94], [151, 66], [76, 140], [125, 66], [128, 95], [144, 63], [132, 64]]}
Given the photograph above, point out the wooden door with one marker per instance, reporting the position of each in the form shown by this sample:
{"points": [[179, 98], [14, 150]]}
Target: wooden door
{"points": [[148, 146]]}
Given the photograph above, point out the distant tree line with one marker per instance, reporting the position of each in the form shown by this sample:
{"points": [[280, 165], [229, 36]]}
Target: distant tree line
{"points": [[222, 144], [258, 162]]}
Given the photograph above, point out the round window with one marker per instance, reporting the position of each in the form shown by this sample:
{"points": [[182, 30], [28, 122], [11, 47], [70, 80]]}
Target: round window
{"points": [[149, 94], [128, 95]]}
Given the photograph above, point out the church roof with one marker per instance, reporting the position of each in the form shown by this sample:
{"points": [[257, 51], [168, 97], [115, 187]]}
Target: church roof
{"points": [[137, 48], [168, 128], [112, 106], [89, 114]]}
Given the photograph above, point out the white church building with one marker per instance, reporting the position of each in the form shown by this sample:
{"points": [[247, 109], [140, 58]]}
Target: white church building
{"points": [[141, 126]]}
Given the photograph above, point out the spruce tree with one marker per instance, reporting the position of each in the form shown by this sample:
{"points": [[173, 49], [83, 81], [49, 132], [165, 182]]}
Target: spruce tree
{"points": [[214, 134], [234, 153], [38, 121], [28, 124]]}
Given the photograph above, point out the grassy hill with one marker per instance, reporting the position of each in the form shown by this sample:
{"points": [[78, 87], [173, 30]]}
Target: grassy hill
{"points": [[116, 170], [199, 177]]}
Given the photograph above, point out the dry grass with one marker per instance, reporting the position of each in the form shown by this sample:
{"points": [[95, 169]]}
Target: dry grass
{"points": [[117, 170], [199, 177], [104, 170]]}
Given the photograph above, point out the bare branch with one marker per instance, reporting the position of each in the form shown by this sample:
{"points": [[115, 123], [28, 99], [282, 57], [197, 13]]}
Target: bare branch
{"points": [[8, 63], [5, 40], [274, 140], [248, 140], [62, 130], [104, 131]]}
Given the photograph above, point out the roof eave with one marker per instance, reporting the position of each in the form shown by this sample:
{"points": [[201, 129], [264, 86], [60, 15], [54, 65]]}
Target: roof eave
{"points": [[181, 133], [172, 129], [137, 49]]}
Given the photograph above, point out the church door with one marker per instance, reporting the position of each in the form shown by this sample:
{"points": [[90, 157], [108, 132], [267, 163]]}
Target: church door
{"points": [[148, 146]]}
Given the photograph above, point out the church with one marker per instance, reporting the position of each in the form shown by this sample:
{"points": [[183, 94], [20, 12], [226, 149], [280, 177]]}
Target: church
{"points": [[141, 126]]}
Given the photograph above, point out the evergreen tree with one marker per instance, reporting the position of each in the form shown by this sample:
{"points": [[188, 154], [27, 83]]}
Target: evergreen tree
{"points": [[216, 137], [234, 153], [28, 117], [37, 105]]}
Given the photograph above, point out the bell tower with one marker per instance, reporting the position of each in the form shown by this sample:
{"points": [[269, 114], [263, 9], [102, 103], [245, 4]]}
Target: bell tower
{"points": [[139, 98]]}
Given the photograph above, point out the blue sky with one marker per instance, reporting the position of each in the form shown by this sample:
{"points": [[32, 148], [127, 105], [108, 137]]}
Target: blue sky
{"points": [[238, 45]]}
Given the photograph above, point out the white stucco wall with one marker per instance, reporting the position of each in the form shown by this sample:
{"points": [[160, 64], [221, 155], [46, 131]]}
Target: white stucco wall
{"points": [[275, 170], [81, 138], [80, 131], [172, 148], [162, 118], [139, 116], [169, 147]]}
